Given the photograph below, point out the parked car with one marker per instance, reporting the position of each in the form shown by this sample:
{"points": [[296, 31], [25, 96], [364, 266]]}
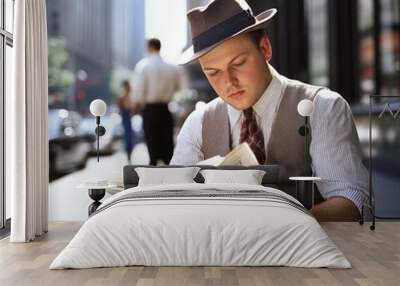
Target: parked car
{"points": [[69, 146]]}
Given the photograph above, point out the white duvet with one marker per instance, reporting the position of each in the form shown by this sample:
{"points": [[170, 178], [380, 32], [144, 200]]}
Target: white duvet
{"points": [[200, 231]]}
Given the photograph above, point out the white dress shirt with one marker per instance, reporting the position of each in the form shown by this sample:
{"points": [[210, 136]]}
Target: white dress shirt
{"points": [[265, 111], [334, 150], [156, 81]]}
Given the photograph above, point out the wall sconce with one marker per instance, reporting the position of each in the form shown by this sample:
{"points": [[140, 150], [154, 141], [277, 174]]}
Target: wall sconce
{"points": [[305, 109], [98, 108], [305, 184]]}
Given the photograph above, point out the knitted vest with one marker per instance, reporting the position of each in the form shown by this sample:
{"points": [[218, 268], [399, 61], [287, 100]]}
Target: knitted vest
{"points": [[286, 147]]}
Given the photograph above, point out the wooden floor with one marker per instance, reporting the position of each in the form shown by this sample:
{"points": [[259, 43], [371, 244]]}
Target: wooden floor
{"points": [[375, 257]]}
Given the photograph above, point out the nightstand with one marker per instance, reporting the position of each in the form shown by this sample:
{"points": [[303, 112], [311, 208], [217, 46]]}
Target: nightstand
{"points": [[305, 190], [96, 193]]}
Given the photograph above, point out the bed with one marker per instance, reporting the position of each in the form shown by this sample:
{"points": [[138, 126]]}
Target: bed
{"points": [[201, 224]]}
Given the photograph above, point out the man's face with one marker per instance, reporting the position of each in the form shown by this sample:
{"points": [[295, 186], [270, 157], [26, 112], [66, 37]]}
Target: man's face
{"points": [[237, 70]]}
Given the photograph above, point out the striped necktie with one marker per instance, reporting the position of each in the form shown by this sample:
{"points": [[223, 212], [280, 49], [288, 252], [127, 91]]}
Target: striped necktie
{"points": [[252, 134]]}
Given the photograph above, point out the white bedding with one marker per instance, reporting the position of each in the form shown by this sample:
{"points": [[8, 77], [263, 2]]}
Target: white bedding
{"points": [[200, 231]]}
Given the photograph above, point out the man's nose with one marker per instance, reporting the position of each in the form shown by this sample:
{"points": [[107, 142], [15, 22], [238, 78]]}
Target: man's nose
{"points": [[231, 79]]}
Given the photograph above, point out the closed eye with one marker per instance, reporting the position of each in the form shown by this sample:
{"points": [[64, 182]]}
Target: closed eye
{"points": [[239, 63], [212, 73]]}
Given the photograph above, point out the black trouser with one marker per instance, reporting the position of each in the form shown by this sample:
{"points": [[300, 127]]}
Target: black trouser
{"points": [[158, 132]]}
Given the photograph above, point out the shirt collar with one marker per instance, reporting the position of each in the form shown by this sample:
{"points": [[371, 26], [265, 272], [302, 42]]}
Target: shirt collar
{"points": [[271, 96], [154, 56]]}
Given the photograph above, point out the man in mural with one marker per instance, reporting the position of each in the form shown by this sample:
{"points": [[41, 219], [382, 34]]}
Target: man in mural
{"points": [[155, 84], [257, 105]]}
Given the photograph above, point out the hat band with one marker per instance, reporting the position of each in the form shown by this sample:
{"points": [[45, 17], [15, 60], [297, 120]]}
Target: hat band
{"points": [[223, 30]]}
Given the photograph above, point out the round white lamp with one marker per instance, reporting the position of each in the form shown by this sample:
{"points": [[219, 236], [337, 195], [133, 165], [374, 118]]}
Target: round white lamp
{"points": [[98, 108], [305, 107]]}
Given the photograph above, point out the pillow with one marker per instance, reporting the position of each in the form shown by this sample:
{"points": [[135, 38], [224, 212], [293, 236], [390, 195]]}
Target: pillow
{"points": [[162, 176], [248, 177]]}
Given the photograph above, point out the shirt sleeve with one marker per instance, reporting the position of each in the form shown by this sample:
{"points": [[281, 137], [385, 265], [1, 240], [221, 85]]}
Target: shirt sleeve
{"points": [[188, 146], [335, 150]]}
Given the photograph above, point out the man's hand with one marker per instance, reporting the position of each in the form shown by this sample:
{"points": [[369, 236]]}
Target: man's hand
{"points": [[336, 209]]}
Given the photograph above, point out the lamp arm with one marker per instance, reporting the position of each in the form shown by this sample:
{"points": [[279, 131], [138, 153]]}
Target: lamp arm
{"points": [[98, 136], [99, 131], [307, 147]]}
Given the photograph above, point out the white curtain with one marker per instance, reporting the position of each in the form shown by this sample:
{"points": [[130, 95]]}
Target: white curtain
{"points": [[26, 117]]}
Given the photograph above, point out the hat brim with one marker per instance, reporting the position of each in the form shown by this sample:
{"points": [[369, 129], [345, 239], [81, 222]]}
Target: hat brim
{"points": [[261, 22]]}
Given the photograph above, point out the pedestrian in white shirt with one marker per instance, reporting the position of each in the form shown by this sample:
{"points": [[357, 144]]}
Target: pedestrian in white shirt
{"points": [[257, 105], [155, 84]]}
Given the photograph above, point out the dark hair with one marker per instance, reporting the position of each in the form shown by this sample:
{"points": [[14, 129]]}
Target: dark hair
{"points": [[256, 36], [126, 84], [154, 44]]}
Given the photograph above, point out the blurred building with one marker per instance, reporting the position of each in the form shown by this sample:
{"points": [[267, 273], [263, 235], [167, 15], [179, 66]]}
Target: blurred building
{"points": [[190, 4], [85, 26], [128, 32], [99, 35]]}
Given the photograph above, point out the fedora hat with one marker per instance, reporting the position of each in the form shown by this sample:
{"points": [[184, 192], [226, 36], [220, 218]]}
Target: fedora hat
{"points": [[219, 21]]}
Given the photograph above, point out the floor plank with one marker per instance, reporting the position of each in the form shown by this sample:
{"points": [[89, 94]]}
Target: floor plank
{"points": [[374, 255]]}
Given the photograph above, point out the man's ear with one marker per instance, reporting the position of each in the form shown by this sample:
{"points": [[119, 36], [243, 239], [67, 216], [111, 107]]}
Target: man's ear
{"points": [[266, 48]]}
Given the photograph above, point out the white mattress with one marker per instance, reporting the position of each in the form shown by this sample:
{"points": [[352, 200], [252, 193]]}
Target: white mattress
{"points": [[200, 231]]}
